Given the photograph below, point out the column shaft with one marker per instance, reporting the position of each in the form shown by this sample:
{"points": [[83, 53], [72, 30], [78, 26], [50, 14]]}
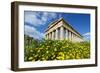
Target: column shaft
{"points": [[69, 35], [56, 34], [66, 34], [52, 35], [72, 36], [61, 33], [47, 36]]}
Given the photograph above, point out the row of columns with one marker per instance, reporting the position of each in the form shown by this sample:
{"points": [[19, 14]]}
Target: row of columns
{"points": [[62, 33], [56, 34]]}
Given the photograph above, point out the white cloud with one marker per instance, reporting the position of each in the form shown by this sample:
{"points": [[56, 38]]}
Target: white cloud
{"points": [[31, 18], [86, 36], [38, 18], [32, 32]]}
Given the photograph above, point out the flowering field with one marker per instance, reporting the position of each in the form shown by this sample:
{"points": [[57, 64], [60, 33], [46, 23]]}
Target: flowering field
{"points": [[36, 50]]}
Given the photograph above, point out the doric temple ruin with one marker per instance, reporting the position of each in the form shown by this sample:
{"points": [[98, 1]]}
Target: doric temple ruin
{"points": [[61, 30]]}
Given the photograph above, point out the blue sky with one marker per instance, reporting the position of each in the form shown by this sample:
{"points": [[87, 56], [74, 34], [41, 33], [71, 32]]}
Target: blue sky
{"points": [[35, 22]]}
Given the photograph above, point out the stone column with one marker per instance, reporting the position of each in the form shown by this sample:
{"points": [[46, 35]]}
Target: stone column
{"points": [[56, 34], [76, 38], [52, 35], [66, 34], [72, 36], [61, 33], [47, 36], [69, 35]]}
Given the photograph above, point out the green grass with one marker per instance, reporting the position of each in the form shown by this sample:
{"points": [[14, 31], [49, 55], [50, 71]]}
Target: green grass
{"points": [[55, 50]]}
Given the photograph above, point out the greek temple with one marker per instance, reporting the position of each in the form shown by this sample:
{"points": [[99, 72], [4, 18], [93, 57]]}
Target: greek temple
{"points": [[61, 30]]}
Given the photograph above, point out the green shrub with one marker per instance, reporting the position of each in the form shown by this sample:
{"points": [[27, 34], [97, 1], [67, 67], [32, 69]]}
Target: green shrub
{"points": [[55, 50]]}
